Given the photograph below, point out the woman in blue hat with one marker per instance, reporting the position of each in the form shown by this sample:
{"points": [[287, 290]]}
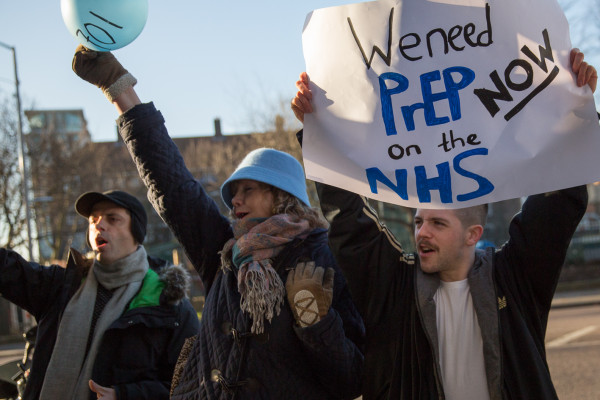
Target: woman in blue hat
{"points": [[278, 321]]}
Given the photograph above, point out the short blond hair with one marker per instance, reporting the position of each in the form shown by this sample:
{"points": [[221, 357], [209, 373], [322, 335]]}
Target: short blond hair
{"points": [[476, 215]]}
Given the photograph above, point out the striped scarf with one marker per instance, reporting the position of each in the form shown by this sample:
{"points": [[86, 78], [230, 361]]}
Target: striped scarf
{"points": [[254, 245]]}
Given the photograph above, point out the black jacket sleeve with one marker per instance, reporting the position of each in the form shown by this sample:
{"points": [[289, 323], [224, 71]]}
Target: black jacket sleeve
{"points": [[372, 260], [539, 237], [31, 286], [177, 197]]}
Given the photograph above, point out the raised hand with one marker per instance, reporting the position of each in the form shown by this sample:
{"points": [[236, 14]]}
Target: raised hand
{"points": [[102, 69], [586, 74], [301, 104]]}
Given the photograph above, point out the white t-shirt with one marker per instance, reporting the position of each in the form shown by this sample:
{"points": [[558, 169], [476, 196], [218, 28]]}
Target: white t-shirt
{"points": [[460, 343]]}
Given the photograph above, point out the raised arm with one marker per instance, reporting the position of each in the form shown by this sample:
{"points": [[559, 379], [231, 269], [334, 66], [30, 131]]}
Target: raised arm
{"points": [[31, 286], [539, 238], [178, 198], [540, 234]]}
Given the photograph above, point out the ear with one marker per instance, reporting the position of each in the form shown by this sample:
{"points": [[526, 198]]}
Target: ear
{"points": [[473, 234]]}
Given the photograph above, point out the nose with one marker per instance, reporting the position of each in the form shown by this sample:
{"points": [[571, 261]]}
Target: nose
{"points": [[237, 199], [98, 224], [422, 232]]}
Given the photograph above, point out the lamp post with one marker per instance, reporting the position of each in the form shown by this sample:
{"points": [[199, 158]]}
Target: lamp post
{"points": [[21, 146]]}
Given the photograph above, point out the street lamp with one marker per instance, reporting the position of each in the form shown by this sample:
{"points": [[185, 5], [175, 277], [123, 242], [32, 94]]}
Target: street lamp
{"points": [[21, 146]]}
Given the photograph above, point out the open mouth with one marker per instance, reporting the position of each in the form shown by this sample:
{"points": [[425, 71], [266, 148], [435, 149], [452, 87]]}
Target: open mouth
{"points": [[100, 242], [425, 248], [241, 215]]}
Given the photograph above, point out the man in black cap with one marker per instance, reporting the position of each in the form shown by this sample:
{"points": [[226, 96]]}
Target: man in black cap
{"points": [[112, 206], [111, 327]]}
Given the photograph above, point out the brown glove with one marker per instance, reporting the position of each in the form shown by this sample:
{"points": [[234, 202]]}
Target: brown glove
{"points": [[102, 69], [309, 292]]}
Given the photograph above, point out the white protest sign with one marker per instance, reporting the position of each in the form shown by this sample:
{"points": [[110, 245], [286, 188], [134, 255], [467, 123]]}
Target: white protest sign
{"points": [[447, 103]]}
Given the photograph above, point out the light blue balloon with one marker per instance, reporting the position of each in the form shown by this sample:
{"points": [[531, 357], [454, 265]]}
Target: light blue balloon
{"points": [[104, 25]]}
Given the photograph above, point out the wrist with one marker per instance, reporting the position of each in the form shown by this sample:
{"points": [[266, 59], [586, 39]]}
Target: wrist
{"points": [[126, 100], [119, 86]]}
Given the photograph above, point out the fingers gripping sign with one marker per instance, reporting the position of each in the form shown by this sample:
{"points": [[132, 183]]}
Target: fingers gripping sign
{"points": [[585, 73], [301, 104], [309, 292]]}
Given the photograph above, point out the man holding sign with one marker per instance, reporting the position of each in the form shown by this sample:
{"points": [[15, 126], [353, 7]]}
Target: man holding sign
{"points": [[444, 104], [451, 321]]}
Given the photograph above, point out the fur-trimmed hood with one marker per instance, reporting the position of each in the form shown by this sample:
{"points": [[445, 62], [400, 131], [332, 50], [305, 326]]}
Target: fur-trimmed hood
{"points": [[176, 278], [177, 282]]}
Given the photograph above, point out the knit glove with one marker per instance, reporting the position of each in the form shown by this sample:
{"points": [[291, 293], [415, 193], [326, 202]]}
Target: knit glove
{"points": [[309, 292], [102, 69]]}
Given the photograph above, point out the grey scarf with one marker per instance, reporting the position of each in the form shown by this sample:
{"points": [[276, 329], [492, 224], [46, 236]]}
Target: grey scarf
{"points": [[69, 369]]}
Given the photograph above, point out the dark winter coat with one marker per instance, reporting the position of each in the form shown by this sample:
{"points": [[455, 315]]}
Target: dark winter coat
{"points": [[138, 351], [226, 361], [512, 290]]}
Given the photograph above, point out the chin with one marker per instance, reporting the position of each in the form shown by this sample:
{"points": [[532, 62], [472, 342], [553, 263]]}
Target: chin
{"points": [[429, 269], [102, 259]]}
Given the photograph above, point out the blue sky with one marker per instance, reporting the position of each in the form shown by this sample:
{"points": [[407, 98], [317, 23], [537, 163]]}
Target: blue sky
{"points": [[196, 60]]}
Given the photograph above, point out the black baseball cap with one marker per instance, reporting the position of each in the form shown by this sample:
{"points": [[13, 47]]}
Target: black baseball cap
{"points": [[86, 202]]}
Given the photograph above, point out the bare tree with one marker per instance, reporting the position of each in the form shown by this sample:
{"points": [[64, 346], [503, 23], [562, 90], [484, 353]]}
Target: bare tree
{"points": [[12, 212], [58, 166]]}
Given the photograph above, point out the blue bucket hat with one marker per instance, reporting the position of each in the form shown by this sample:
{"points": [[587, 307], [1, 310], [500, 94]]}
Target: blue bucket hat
{"points": [[272, 167]]}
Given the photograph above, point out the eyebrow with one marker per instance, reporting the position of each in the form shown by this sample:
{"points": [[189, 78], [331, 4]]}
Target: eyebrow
{"points": [[108, 214], [432, 219]]}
